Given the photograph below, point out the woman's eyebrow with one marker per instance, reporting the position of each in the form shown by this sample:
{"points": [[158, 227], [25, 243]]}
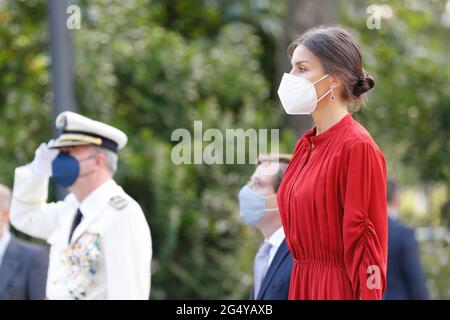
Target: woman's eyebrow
{"points": [[299, 62]]}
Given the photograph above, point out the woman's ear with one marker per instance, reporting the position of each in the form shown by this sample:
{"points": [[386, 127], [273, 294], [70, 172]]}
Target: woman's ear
{"points": [[335, 82]]}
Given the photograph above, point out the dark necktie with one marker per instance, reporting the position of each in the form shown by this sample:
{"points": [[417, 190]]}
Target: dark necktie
{"points": [[76, 222]]}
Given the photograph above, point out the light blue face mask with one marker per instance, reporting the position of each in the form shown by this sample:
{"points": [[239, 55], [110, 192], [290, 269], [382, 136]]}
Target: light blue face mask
{"points": [[252, 206]]}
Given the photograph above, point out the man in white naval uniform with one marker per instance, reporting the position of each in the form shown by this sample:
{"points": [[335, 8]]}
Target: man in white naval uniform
{"points": [[100, 241]]}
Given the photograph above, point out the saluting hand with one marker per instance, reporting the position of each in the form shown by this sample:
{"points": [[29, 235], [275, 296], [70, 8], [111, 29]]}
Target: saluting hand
{"points": [[44, 156]]}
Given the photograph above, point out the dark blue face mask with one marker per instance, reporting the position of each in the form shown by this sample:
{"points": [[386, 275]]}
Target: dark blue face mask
{"points": [[66, 169]]}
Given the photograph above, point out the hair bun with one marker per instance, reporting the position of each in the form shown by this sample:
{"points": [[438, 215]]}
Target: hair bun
{"points": [[363, 85]]}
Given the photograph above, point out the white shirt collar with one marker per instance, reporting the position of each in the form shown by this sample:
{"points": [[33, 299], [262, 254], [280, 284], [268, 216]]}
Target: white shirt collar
{"points": [[90, 205], [4, 242], [276, 238]]}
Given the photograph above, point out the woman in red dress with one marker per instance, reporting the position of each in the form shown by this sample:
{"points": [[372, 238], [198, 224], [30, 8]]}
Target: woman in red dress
{"points": [[332, 200]]}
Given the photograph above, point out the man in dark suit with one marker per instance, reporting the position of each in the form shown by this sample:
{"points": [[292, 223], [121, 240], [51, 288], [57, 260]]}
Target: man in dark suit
{"points": [[405, 278], [258, 207], [23, 267]]}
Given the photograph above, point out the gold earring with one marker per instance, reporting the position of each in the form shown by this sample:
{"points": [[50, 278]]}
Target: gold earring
{"points": [[333, 97]]}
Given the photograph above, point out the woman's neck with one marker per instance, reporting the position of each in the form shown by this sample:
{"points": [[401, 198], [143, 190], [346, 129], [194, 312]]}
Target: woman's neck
{"points": [[327, 116]]}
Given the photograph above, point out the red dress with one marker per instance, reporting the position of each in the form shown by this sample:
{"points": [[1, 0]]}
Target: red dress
{"points": [[332, 203]]}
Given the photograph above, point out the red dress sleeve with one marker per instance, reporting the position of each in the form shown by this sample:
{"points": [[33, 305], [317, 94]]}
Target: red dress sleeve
{"points": [[365, 220]]}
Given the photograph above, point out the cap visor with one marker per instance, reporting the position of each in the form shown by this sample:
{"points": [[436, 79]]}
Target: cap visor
{"points": [[67, 143]]}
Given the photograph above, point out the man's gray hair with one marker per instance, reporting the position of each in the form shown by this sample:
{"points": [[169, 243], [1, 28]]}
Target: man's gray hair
{"points": [[5, 197], [111, 158]]}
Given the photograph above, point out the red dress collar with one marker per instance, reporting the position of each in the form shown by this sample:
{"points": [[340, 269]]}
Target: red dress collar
{"points": [[311, 136]]}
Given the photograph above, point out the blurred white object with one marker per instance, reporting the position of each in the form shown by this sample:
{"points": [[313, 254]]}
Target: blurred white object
{"points": [[432, 233]]}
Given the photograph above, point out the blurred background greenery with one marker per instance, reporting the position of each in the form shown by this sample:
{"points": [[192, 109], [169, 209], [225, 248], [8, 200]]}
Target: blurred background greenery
{"points": [[152, 66]]}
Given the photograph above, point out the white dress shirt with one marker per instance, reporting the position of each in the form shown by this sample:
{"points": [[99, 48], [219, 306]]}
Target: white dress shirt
{"points": [[275, 240], [4, 242]]}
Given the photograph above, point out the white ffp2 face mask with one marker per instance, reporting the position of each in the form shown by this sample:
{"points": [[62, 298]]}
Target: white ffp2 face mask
{"points": [[298, 95]]}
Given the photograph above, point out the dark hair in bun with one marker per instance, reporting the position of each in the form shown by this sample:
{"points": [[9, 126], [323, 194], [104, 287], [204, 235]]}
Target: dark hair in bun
{"points": [[363, 85], [339, 53]]}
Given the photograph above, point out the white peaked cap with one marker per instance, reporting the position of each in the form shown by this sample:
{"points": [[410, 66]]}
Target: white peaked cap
{"points": [[79, 130]]}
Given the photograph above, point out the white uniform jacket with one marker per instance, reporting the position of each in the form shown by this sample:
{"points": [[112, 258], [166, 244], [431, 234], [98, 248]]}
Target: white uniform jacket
{"points": [[110, 253]]}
